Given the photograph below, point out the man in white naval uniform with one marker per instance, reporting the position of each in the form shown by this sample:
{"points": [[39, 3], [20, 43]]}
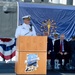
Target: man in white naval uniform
{"points": [[25, 29]]}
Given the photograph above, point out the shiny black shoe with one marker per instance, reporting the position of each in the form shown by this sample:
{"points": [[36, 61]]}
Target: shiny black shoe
{"points": [[52, 68], [60, 68]]}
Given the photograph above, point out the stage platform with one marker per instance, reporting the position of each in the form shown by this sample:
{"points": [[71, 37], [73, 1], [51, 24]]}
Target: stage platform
{"points": [[8, 69]]}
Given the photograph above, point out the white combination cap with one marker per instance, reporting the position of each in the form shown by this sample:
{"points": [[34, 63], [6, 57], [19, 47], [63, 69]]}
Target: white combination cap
{"points": [[55, 33], [27, 16]]}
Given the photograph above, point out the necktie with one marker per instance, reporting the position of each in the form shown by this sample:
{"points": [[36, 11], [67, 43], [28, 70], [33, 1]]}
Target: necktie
{"points": [[61, 46]]}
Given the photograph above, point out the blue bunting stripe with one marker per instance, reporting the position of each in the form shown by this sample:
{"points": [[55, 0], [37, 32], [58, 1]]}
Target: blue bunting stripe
{"points": [[6, 53], [7, 48]]}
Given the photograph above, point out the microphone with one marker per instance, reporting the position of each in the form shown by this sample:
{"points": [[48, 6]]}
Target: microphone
{"points": [[31, 27]]}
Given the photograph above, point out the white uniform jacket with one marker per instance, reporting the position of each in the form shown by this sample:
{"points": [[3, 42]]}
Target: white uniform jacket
{"points": [[24, 30]]}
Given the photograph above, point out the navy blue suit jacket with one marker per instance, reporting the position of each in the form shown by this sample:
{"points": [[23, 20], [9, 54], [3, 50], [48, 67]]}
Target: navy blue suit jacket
{"points": [[57, 46], [49, 44]]}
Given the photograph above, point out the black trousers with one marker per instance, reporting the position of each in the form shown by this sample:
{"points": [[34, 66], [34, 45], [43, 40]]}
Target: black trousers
{"points": [[52, 55], [65, 57]]}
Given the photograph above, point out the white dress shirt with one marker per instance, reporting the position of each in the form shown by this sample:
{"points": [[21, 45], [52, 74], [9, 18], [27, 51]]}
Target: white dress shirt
{"points": [[54, 41], [24, 30]]}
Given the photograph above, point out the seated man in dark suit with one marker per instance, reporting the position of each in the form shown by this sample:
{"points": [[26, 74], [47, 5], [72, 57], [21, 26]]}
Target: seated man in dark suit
{"points": [[72, 52], [61, 50], [50, 49], [51, 52]]}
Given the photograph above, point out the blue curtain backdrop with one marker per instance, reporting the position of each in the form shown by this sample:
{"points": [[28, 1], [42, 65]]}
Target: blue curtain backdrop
{"points": [[64, 16]]}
